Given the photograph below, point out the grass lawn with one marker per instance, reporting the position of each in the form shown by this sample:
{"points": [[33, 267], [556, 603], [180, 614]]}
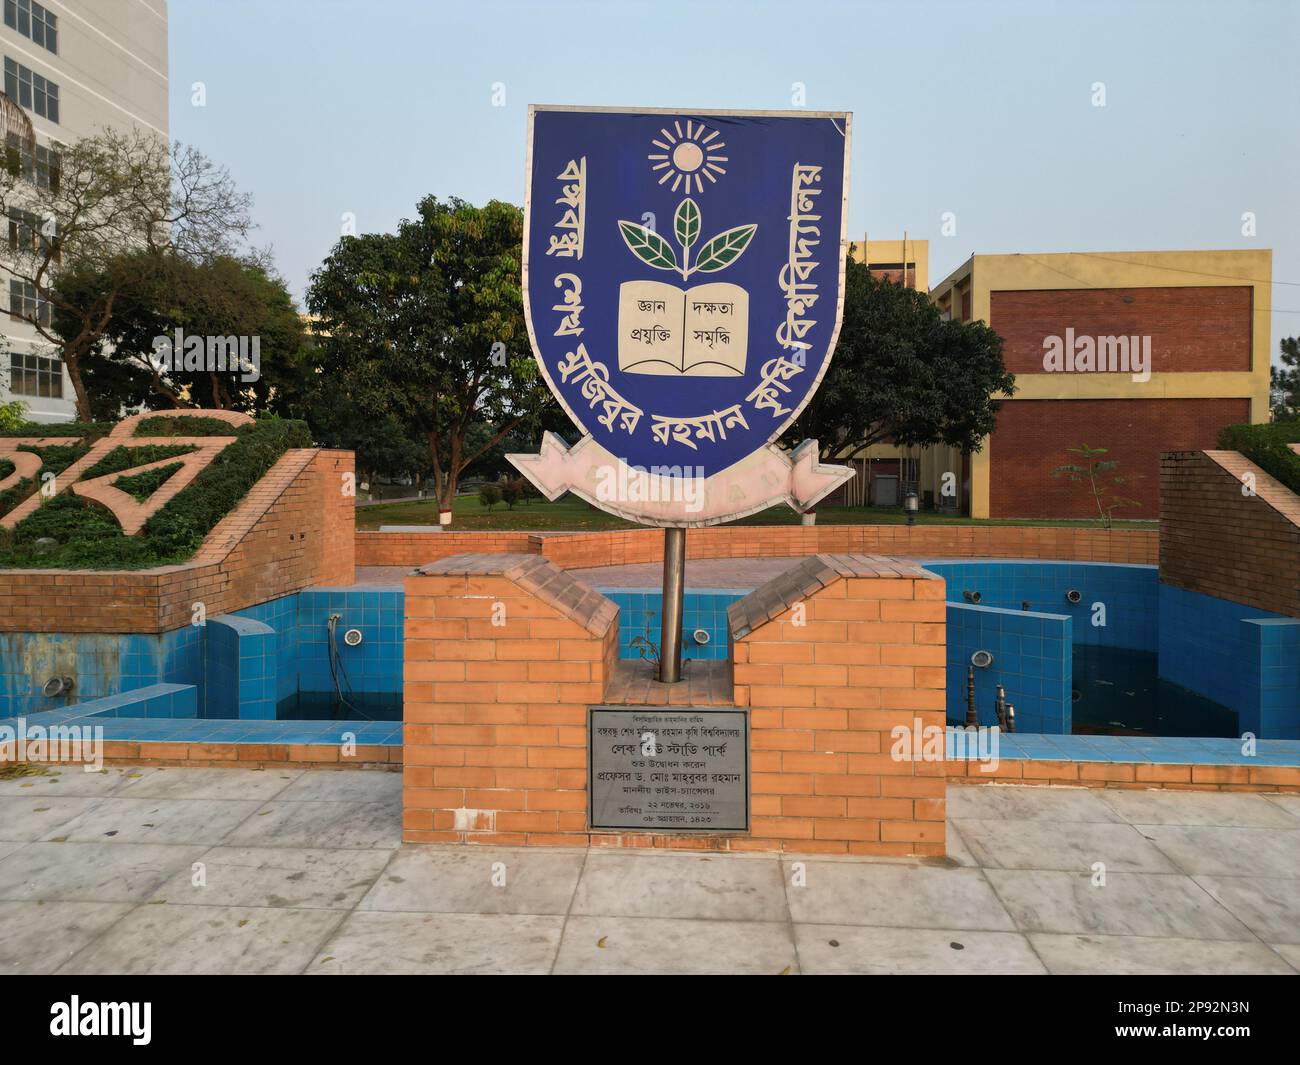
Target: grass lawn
{"points": [[570, 514]]}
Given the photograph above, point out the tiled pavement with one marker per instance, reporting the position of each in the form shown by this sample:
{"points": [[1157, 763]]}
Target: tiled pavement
{"points": [[178, 870]]}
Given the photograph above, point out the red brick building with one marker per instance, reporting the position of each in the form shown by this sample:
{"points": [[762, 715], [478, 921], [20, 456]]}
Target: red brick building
{"points": [[1136, 352]]}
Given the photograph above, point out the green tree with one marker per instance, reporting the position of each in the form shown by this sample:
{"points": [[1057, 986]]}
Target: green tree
{"points": [[224, 297], [427, 325], [109, 194], [902, 373], [1286, 381]]}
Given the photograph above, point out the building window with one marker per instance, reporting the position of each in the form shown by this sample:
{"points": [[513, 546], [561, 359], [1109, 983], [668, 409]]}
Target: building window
{"points": [[42, 169], [25, 305], [32, 20], [31, 90], [28, 234], [33, 375]]}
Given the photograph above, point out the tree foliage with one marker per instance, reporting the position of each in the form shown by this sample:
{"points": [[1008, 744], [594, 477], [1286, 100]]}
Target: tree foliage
{"points": [[426, 325], [118, 205], [903, 373], [224, 297], [1286, 381]]}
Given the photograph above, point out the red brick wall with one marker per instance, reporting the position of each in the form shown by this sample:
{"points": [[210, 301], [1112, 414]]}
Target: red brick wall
{"points": [[825, 687], [1217, 541], [1032, 436], [495, 718], [495, 721], [622, 547], [1191, 329], [416, 548]]}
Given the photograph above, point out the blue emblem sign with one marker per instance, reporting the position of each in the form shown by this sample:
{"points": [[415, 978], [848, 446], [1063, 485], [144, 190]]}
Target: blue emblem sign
{"points": [[683, 284]]}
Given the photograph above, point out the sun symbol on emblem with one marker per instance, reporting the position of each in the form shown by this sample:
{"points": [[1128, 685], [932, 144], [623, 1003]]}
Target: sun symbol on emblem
{"points": [[689, 156]]}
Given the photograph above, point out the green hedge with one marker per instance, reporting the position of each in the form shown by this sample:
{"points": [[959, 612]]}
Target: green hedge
{"points": [[88, 430], [87, 536], [140, 486], [165, 425], [126, 458], [54, 459], [1266, 446]]}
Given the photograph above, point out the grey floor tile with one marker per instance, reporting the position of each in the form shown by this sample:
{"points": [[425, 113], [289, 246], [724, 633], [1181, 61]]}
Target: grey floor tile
{"points": [[9, 846], [681, 885], [899, 895], [294, 877], [363, 825], [166, 939], [1290, 952], [1053, 845], [29, 817], [156, 821], [37, 937], [957, 849], [344, 785], [662, 946], [90, 872], [1213, 851], [1197, 808], [450, 943], [1130, 955], [184, 782], [987, 802], [477, 880], [879, 951], [75, 781], [1269, 907], [1289, 803], [1130, 904]]}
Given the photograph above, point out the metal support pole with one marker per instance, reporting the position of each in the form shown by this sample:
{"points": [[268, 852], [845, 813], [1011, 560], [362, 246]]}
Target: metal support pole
{"points": [[670, 639]]}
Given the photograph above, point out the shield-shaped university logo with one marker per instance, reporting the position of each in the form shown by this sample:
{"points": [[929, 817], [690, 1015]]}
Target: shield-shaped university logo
{"points": [[683, 279]]}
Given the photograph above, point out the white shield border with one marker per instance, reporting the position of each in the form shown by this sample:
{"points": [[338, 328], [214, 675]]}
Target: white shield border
{"points": [[846, 117]]}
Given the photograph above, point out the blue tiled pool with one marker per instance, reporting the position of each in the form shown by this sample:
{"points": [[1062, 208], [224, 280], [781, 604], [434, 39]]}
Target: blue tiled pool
{"points": [[704, 620], [1130, 655]]}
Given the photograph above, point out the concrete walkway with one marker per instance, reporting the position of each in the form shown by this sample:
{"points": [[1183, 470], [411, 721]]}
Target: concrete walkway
{"points": [[162, 870]]}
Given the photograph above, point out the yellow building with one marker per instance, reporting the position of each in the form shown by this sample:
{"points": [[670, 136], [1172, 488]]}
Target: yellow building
{"points": [[1135, 352]]}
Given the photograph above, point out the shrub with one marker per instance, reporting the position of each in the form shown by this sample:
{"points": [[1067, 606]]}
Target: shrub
{"points": [[89, 431], [489, 495], [1266, 447], [54, 459], [140, 486], [169, 425], [12, 414], [88, 537], [511, 493], [126, 458]]}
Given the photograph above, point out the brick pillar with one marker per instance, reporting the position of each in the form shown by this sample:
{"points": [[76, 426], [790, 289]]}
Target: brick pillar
{"points": [[830, 657], [504, 653]]}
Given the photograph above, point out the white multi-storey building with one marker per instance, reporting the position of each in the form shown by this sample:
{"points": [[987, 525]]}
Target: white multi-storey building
{"points": [[75, 67]]}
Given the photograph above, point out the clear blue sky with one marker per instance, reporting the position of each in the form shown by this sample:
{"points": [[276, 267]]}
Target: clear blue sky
{"points": [[320, 107]]}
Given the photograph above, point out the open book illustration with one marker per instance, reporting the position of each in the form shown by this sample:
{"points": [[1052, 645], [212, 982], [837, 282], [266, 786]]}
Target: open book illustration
{"points": [[700, 332]]}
